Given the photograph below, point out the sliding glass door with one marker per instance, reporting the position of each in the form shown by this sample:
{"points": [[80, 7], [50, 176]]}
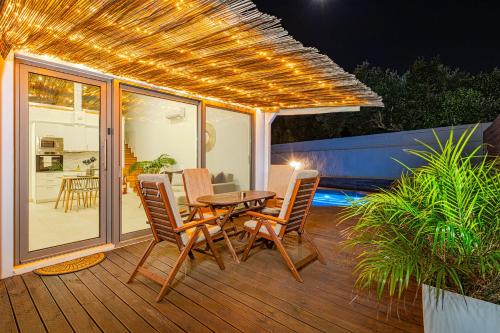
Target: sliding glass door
{"points": [[159, 134], [61, 162], [229, 149], [78, 156]]}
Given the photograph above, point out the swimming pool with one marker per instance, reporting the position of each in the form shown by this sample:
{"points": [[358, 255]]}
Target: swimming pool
{"points": [[338, 198]]}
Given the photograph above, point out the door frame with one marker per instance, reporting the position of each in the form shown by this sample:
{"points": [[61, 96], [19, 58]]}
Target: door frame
{"points": [[21, 190], [118, 87]]}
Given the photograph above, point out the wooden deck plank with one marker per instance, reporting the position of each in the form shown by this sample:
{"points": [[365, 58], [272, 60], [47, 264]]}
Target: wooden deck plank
{"points": [[121, 310], [167, 308], [235, 297], [225, 313], [99, 313], [266, 265], [244, 312], [250, 294], [341, 314], [76, 315], [258, 295], [326, 290], [27, 317], [50, 313], [309, 320], [7, 319], [150, 314], [195, 310]]}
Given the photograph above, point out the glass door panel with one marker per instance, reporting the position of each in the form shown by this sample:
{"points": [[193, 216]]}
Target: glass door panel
{"points": [[158, 135], [229, 149], [59, 162]]}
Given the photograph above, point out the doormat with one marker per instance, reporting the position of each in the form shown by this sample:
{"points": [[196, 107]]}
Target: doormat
{"points": [[71, 266]]}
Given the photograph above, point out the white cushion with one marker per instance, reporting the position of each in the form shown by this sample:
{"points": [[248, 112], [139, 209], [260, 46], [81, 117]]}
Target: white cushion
{"points": [[279, 179], [297, 174], [177, 180], [212, 230], [251, 224], [271, 211]]}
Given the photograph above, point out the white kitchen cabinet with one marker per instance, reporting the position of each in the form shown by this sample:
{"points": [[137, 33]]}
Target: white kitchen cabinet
{"points": [[47, 186], [74, 138], [49, 129]]}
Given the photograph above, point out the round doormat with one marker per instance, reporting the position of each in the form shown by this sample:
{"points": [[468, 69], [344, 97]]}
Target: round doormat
{"points": [[72, 265]]}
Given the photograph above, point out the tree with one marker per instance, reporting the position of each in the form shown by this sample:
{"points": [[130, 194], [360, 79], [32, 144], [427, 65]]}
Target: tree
{"points": [[429, 94]]}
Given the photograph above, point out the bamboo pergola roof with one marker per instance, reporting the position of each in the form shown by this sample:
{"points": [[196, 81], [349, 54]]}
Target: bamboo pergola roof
{"points": [[221, 49]]}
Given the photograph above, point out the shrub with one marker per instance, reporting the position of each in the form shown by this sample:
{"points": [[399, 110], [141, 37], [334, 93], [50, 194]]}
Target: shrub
{"points": [[439, 225]]}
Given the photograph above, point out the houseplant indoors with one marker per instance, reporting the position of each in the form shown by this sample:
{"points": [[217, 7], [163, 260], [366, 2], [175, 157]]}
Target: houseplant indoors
{"points": [[160, 164], [439, 225]]}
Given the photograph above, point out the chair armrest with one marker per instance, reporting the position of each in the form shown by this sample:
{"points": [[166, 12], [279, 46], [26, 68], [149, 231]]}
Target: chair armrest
{"points": [[194, 224], [266, 217]]}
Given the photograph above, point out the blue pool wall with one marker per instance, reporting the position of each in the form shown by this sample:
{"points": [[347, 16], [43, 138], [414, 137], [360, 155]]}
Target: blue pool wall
{"points": [[369, 156]]}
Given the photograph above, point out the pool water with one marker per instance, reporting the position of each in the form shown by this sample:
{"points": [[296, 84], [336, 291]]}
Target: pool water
{"points": [[338, 198]]}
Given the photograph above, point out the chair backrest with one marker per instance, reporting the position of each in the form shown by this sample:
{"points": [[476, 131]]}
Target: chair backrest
{"points": [[197, 183], [160, 207], [298, 199], [279, 178]]}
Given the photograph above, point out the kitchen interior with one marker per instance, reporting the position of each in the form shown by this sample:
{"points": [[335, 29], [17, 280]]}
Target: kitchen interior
{"points": [[64, 161]]}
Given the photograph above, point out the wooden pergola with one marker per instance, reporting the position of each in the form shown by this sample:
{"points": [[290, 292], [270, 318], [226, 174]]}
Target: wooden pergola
{"points": [[224, 50]]}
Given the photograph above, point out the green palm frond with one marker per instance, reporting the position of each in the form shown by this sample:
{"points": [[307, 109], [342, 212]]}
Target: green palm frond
{"points": [[439, 224], [161, 163]]}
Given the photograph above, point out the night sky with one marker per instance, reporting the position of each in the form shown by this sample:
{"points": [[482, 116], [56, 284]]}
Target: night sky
{"points": [[392, 33]]}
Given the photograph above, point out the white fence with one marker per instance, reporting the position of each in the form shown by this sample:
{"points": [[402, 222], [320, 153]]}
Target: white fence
{"points": [[368, 156]]}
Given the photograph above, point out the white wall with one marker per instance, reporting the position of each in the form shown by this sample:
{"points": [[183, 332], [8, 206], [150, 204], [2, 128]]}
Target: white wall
{"points": [[149, 133], [368, 156], [232, 151], [7, 166]]}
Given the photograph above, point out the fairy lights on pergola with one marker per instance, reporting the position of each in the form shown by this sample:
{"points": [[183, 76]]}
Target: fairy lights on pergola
{"points": [[222, 49]]}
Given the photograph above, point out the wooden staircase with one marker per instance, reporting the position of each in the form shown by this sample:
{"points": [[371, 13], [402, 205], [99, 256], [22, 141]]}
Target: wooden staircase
{"points": [[130, 159]]}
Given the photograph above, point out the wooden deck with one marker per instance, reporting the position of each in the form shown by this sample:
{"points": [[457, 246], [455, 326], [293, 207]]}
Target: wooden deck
{"points": [[255, 296]]}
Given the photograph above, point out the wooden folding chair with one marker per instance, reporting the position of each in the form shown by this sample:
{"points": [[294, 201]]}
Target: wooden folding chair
{"points": [[198, 183], [292, 217], [166, 224], [278, 181]]}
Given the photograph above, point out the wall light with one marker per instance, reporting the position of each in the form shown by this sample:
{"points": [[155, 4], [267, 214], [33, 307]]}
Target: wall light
{"points": [[295, 164]]}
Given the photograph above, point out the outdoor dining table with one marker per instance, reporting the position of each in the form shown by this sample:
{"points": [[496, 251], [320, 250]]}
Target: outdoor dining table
{"points": [[251, 200]]}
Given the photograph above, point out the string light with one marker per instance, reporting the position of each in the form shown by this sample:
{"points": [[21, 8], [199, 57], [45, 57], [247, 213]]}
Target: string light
{"points": [[225, 50]]}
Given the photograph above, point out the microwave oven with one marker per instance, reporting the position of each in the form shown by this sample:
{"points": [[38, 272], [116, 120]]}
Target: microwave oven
{"points": [[50, 146]]}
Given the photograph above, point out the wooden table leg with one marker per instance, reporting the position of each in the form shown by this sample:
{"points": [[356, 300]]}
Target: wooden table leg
{"points": [[61, 190], [222, 223]]}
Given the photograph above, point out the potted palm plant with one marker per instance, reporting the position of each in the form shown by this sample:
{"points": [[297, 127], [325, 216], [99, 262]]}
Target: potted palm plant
{"points": [[439, 226], [160, 164]]}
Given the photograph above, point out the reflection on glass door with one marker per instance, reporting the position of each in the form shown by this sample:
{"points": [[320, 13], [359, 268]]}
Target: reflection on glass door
{"points": [[229, 149], [159, 135], [59, 162]]}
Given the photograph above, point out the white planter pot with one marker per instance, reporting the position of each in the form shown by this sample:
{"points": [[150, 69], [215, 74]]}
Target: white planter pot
{"points": [[458, 314]]}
